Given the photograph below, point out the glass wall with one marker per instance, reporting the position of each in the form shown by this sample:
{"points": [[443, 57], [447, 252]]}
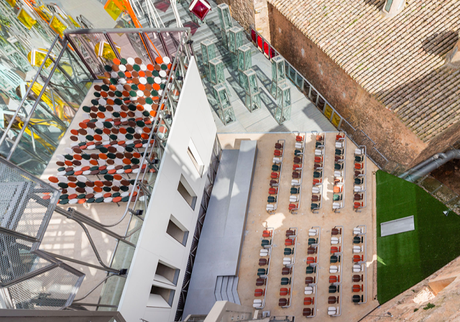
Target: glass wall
{"points": [[27, 33]]}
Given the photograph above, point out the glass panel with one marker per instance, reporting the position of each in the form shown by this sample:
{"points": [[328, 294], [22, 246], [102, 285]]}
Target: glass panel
{"points": [[445, 194], [244, 82], [292, 73], [281, 70], [229, 116], [204, 53], [223, 96], [253, 85], [232, 41], [430, 184], [213, 73], [259, 42], [287, 97], [287, 113], [253, 35], [299, 81]]}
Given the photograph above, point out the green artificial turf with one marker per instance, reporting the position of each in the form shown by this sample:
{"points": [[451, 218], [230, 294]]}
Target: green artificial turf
{"points": [[407, 258]]}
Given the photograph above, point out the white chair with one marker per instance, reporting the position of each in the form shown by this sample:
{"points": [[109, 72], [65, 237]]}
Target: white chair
{"points": [[339, 145], [318, 152], [357, 249], [332, 310], [277, 160], [336, 240], [336, 205], [359, 151], [270, 207], [312, 232], [334, 269], [358, 230], [263, 252], [298, 145], [68, 151], [358, 189], [286, 261], [338, 173], [358, 268], [309, 290], [293, 198], [315, 190], [257, 304], [295, 182]]}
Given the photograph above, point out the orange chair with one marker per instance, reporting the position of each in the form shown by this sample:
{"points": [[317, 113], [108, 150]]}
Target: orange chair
{"points": [[259, 292], [272, 191], [316, 181], [285, 291], [359, 166], [274, 175], [334, 279], [338, 189], [311, 260], [358, 205], [293, 206], [319, 138], [335, 249], [289, 242], [356, 288], [299, 138], [309, 301], [277, 153], [357, 258], [318, 159], [267, 233]]}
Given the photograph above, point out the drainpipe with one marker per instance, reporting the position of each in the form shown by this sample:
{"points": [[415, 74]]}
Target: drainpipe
{"points": [[421, 164], [429, 165]]}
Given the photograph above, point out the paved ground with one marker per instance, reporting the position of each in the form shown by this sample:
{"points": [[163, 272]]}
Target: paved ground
{"points": [[282, 220]]}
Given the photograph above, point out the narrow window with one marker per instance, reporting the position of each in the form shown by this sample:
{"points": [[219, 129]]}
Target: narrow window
{"points": [[166, 274], [186, 192], [195, 157], [177, 231], [160, 297]]}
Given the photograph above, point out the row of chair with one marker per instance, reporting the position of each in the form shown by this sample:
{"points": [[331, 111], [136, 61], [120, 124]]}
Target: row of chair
{"points": [[273, 190], [297, 168], [335, 271], [311, 278], [339, 172], [359, 179], [287, 271], [262, 272], [358, 261], [318, 166]]}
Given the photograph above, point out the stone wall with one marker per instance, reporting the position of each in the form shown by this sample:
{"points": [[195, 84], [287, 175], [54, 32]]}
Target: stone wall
{"points": [[356, 105], [250, 13], [242, 11]]}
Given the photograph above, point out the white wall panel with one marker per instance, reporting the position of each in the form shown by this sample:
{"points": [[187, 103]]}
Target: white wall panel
{"points": [[193, 120]]}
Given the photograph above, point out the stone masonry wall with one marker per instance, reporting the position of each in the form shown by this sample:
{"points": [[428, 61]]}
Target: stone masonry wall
{"points": [[242, 11]]}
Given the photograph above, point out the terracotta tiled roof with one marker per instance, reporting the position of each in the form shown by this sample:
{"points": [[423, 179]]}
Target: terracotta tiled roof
{"points": [[398, 60]]}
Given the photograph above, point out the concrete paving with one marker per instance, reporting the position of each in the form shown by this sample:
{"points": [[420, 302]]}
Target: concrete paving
{"points": [[282, 219]]}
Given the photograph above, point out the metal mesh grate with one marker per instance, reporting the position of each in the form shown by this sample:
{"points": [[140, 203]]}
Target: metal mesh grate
{"points": [[48, 291], [26, 204], [16, 259]]}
